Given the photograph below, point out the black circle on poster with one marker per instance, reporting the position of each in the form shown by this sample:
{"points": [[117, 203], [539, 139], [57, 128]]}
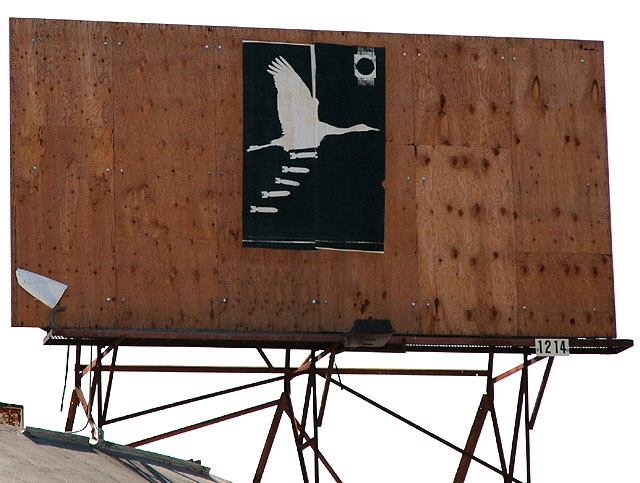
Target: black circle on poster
{"points": [[365, 66]]}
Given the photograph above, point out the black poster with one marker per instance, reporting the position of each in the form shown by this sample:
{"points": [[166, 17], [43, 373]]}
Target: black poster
{"points": [[314, 146]]}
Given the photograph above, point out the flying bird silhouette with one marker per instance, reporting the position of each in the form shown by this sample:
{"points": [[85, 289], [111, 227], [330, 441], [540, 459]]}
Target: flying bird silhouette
{"points": [[298, 112]]}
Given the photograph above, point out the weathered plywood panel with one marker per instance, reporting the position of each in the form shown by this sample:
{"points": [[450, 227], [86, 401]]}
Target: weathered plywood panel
{"points": [[461, 87], [559, 147], [165, 159], [164, 141], [164, 79], [61, 73], [565, 293], [127, 178], [163, 188], [63, 225], [166, 282], [401, 243], [563, 233], [466, 233]]}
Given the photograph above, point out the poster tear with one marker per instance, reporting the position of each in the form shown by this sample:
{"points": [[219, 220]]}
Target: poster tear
{"points": [[46, 290]]}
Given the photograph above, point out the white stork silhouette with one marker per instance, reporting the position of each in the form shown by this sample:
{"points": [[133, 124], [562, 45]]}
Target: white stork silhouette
{"points": [[298, 112]]}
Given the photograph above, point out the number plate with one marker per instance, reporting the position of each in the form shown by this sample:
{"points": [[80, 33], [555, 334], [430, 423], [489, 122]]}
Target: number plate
{"points": [[552, 347]]}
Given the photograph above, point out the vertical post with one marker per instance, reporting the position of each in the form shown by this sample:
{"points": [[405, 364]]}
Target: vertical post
{"points": [[494, 417], [73, 404], [287, 368], [109, 384], [315, 417], [525, 376], [98, 375], [307, 399]]}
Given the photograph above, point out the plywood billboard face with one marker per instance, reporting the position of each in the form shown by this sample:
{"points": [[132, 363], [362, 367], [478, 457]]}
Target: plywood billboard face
{"points": [[136, 165]]}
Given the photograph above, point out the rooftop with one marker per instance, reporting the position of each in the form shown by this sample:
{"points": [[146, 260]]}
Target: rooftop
{"points": [[34, 455]]}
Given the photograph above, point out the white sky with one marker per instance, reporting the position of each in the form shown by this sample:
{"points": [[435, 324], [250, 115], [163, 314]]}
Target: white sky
{"points": [[587, 429]]}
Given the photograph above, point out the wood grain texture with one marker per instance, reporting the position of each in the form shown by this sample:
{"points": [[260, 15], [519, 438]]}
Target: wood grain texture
{"points": [[61, 73], [63, 224], [166, 282], [565, 293], [461, 87], [559, 146], [466, 239], [164, 78]]}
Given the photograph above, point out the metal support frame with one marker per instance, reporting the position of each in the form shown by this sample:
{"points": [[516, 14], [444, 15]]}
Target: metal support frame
{"points": [[306, 429]]}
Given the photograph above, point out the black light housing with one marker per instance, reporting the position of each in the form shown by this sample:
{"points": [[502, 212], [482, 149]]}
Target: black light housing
{"points": [[368, 333]]}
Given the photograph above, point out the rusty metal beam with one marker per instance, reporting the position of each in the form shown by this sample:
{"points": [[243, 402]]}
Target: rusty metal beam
{"points": [[472, 441], [193, 399], [98, 378], [203, 424], [73, 404], [271, 436], [87, 409], [516, 369], [314, 390], [516, 429], [527, 428], [325, 390], [306, 364], [99, 357], [307, 400], [107, 396], [71, 415], [297, 436], [311, 443], [422, 430], [494, 416], [543, 385], [265, 358], [297, 372], [318, 341]]}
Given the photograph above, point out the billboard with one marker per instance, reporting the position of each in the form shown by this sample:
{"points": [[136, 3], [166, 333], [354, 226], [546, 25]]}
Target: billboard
{"points": [[258, 180]]}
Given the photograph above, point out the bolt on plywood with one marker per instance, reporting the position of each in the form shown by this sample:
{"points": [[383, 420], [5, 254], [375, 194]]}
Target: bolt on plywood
{"points": [[127, 178]]}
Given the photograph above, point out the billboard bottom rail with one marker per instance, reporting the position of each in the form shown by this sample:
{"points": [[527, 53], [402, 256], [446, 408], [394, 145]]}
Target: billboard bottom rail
{"points": [[319, 341]]}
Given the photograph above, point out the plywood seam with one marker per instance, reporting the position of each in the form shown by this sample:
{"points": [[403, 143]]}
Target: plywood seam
{"points": [[514, 312], [116, 294]]}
